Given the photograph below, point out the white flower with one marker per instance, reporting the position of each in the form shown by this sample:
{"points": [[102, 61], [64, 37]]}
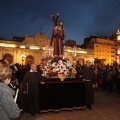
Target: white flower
{"points": [[60, 67]]}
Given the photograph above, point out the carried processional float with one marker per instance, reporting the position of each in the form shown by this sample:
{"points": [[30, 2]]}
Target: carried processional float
{"points": [[58, 66]]}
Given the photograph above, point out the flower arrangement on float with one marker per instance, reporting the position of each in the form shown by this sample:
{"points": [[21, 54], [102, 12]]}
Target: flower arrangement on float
{"points": [[61, 67], [58, 69]]}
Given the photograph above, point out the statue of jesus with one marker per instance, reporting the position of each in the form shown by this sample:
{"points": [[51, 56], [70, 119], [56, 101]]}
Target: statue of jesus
{"points": [[58, 35]]}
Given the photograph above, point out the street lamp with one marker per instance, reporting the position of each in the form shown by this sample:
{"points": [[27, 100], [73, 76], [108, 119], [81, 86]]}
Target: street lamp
{"points": [[22, 56], [74, 53], [47, 52], [118, 34], [92, 59]]}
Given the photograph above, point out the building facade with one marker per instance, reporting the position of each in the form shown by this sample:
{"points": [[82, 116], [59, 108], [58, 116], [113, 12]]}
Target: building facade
{"points": [[35, 48], [104, 49]]}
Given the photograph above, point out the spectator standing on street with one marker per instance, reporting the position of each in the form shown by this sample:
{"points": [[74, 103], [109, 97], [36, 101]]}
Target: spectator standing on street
{"points": [[88, 74], [30, 86], [8, 108]]}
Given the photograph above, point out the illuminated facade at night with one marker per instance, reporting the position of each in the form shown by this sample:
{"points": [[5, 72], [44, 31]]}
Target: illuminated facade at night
{"points": [[104, 49], [33, 49]]}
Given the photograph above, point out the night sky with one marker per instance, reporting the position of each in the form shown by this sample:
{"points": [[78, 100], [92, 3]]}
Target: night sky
{"points": [[82, 18]]}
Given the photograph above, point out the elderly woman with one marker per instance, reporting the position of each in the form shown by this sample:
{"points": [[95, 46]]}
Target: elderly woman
{"points": [[8, 108]]}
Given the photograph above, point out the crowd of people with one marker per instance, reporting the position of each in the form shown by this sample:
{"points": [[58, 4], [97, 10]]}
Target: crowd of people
{"points": [[22, 84], [97, 77], [107, 77], [24, 81], [8, 107]]}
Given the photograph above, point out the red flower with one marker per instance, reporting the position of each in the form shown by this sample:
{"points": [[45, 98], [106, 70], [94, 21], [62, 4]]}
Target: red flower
{"points": [[53, 67], [62, 73], [61, 67], [54, 73]]}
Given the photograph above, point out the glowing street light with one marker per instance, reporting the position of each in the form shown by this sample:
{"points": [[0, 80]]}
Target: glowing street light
{"points": [[22, 56]]}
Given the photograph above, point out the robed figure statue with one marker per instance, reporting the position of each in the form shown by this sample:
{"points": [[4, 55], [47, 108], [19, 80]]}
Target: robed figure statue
{"points": [[58, 35]]}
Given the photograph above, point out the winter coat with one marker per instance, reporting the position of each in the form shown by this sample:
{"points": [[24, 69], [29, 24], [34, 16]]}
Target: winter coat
{"points": [[8, 108]]}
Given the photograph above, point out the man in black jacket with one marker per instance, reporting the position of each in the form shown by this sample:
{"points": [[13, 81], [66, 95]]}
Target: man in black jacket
{"points": [[30, 90], [88, 75]]}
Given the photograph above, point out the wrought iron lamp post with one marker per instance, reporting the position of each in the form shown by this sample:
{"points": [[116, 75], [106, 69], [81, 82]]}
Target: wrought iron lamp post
{"points": [[22, 56], [47, 53], [74, 53]]}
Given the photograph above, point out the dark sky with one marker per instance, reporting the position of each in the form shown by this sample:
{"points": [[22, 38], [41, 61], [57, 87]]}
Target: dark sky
{"points": [[82, 18]]}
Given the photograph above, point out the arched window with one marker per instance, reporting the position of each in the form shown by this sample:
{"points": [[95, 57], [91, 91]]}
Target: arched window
{"points": [[29, 60], [8, 57]]}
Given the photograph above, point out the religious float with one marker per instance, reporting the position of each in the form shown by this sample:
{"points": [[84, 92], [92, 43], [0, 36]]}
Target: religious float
{"points": [[57, 66], [54, 94]]}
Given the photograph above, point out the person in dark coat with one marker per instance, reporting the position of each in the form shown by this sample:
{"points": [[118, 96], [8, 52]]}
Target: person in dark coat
{"points": [[78, 68], [88, 74], [109, 79], [40, 68], [30, 88], [118, 81]]}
